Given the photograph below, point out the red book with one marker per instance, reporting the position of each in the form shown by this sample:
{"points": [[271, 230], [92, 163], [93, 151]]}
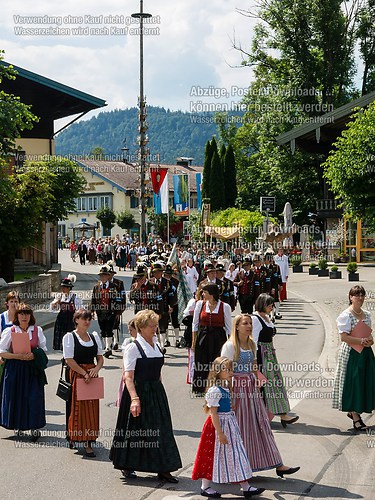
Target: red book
{"points": [[90, 390], [360, 331], [20, 342]]}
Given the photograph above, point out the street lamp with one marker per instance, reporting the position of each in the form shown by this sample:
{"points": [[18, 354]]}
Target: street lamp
{"points": [[143, 153]]}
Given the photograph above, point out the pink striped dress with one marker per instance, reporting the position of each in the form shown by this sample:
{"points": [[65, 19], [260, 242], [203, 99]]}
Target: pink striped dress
{"points": [[251, 413]]}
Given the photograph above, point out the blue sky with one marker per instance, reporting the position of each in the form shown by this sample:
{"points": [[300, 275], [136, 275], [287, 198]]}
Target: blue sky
{"points": [[190, 48]]}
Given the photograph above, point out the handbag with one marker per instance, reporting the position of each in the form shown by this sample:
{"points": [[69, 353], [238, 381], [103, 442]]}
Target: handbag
{"points": [[64, 388]]}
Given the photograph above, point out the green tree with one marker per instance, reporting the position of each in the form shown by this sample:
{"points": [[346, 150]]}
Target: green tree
{"points": [[350, 168], [230, 176], [14, 115], [366, 36], [125, 219], [207, 170], [160, 221], [107, 218], [249, 221], [217, 183], [97, 153], [40, 192]]}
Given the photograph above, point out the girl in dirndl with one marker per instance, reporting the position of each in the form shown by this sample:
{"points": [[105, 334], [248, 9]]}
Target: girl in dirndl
{"points": [[274, 391], [221, 456], [248, 405]]}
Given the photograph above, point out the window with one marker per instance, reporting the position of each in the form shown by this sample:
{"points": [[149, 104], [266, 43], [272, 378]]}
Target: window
{"points": [[134, 202], [193, 202], [93, 203]]}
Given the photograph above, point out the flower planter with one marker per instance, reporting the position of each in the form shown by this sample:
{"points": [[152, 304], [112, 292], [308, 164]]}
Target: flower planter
{"points": [[335, 275], [323, 273], [298, 269], [353, 276], [313, 271]]}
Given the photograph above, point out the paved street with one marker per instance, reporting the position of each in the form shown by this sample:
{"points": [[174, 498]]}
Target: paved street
{"points": [[335, 462]]}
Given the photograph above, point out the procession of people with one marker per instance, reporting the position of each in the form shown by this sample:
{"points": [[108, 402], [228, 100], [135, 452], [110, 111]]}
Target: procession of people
{"points": [[229, 355]]}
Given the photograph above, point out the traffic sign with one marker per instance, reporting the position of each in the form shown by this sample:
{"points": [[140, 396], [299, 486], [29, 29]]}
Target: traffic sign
{"points": [[267, 203]]}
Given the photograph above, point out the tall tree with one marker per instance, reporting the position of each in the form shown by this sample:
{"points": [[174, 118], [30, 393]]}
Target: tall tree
{"points": [[207, 170], [350, 168], [230, 176], [40, 192], [217, 183], [302, 58]]}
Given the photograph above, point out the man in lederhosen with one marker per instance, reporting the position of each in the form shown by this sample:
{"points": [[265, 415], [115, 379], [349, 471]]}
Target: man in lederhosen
{"points": [[168, 275], [104, 302], [227, 294], [169, 300], [144, 294], [120, 302], [244, 284], [273, 283]]}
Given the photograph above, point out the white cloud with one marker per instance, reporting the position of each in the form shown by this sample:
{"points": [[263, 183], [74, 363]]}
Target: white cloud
{"points": [[193, 49]]}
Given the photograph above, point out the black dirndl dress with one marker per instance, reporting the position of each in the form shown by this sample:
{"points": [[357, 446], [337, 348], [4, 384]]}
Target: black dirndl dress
{"points": [[146, 443]]}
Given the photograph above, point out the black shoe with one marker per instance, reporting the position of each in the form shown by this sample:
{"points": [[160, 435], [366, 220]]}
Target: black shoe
{"points": [[115, 347], [215, 494], [107, 353], [285, 422], [359, 425], [278, 316], [252, 493], [35, 435], [177, 344], [163, 350], [287, 472], [167, 476], [129, 474], [167, 343]]}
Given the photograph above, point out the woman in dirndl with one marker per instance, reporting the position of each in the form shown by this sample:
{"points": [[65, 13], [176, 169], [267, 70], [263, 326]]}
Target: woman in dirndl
{"points": [[248, 404], [22, 386], [66, 303], [354, 386], [221, 456], [212, 323], [80, 349], [143, 439], [274, 391]]}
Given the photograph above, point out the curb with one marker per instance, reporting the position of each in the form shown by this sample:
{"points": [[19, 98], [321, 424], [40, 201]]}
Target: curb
{"points": [[328, 357]]}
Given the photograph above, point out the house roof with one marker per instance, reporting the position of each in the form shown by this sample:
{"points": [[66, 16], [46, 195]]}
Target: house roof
{"points": [[50, 100], [318, 136], [125, 177]]}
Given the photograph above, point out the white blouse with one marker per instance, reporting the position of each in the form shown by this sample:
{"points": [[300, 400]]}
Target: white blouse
{"points": [[227, 315], [68, 344], [257, 326], [66, 298], [131, 352], [6, 337], [213, 396], [347, 321]]}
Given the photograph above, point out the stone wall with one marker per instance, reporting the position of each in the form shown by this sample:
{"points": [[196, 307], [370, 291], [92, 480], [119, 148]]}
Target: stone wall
{"points": [[36, 291]]}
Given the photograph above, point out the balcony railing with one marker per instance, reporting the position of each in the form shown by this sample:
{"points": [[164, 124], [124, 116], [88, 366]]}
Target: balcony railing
{"points": [[327, 205]]}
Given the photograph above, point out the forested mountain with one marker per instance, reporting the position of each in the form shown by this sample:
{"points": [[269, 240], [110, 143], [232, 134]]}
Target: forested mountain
{"points": [[171, 134]]}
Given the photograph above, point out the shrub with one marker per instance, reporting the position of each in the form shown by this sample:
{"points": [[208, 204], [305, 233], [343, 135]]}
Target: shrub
{"points": [[334, 269], [352, 267], [313, 265], [322, 264]]}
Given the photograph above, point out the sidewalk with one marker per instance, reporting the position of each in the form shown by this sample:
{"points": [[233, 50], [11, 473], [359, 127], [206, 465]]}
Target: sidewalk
{"points": [[329, 298]]}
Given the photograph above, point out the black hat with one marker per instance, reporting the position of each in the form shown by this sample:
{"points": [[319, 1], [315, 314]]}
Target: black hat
{"points": [[140, 272], [67, 282], [168, 269], [110, 264], [247, 260], [209, 267], [220, 267], [157, 266], [105, 270]]}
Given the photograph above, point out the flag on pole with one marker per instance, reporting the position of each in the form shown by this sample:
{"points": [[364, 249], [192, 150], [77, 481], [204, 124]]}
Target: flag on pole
{"points": [[183, 291], [159, 179], [198, 180], [181, 194]]}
